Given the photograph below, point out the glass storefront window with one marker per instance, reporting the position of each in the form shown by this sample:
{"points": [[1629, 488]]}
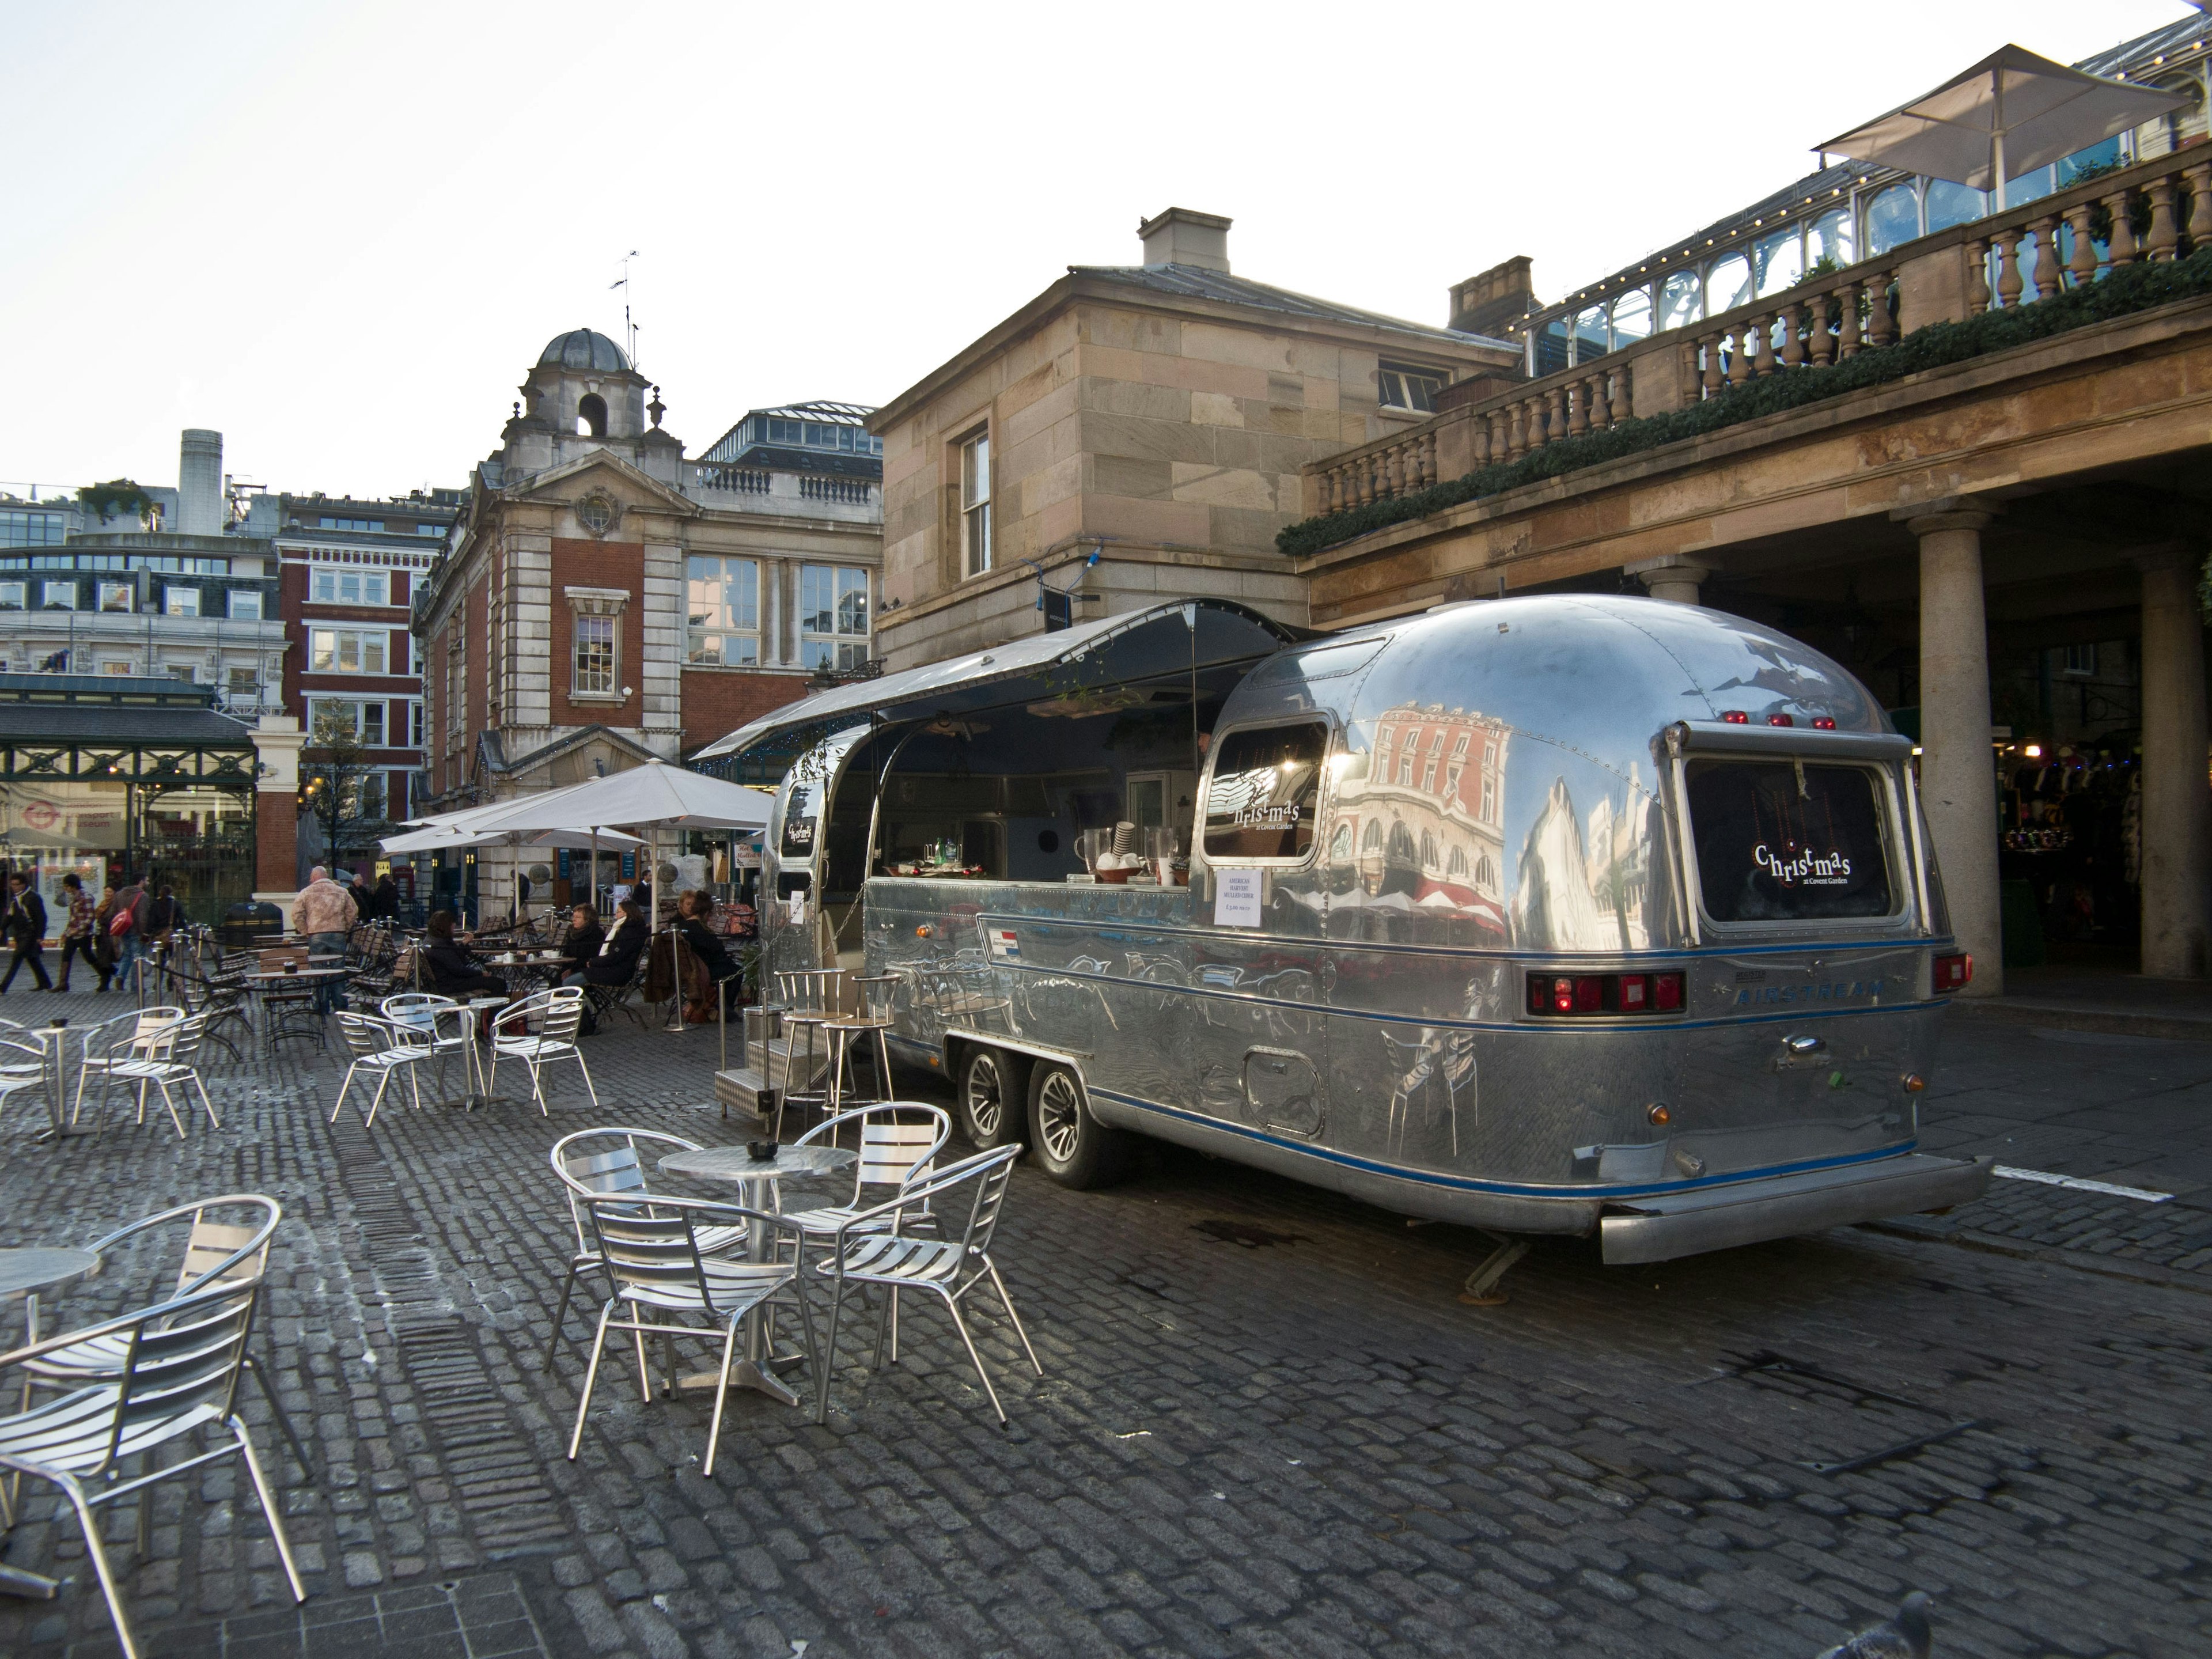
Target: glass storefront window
{"points": [[1681, 299], [2081, 160], [195, 837]]}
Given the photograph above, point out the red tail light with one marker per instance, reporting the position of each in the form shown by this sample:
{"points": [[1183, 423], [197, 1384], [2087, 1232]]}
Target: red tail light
{"points": [[1780, 720], [1551, 995], [1953, 973], [1736, 717], [1824, 723]]}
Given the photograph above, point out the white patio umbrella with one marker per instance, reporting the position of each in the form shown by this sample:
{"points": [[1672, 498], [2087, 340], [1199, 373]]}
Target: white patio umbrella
{"points": [[435, 841], [2010, 113], [649, 798]]}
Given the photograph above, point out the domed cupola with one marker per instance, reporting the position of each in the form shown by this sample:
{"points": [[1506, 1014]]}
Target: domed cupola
{"points": [[583, 349]]}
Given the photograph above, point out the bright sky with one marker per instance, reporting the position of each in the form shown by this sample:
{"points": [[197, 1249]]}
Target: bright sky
{"points": [[342, 235]]}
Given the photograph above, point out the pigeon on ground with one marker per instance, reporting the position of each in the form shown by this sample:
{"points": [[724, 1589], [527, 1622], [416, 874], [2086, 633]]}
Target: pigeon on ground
{"points": [[1905, 1637]]}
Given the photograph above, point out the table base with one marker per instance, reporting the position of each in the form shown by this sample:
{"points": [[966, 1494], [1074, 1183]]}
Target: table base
{"points": [[64, 1132], [745, 1374], [31, 1586]]}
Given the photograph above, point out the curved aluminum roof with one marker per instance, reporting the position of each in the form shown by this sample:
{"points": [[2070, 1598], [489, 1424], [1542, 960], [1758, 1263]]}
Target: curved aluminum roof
{"points": [[1134, 645]]}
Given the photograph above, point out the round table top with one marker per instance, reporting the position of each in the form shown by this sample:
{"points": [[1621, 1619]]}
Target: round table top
{"points": [[38, 1268], [736, 1164]]}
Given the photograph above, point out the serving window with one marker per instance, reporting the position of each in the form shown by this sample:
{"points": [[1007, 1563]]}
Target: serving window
{"points": [[1265, 795], [1786, 840]]}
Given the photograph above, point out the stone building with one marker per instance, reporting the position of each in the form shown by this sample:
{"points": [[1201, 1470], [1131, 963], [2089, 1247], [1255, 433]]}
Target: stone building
{"points": [[603, 599], [1156, 415], [2002, 539]]}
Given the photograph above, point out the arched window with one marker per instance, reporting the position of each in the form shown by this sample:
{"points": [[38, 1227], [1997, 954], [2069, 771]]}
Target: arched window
{"points": [[1682, 300], [1892, 218], [1456, 865], [1950, 204], [590, 416], [1829, 237], [1589, 335], [1632, 321], [1780, 260], [1728, 285], [1486, 872], [1340, 844], [1372, 840], [1428, 851]]}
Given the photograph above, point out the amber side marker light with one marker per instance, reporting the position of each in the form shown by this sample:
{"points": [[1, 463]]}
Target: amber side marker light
{"points": [[1660, 1114], [1914, 1082]]}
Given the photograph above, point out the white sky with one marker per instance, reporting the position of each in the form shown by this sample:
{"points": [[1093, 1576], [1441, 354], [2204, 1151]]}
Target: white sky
{"points": [[342, 235]]}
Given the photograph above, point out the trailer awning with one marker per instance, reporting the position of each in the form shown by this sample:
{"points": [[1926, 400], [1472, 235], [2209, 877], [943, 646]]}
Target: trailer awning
{"points": [[1181, 636]]}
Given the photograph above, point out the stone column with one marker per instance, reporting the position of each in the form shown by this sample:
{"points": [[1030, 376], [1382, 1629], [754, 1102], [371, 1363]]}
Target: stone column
{"points": [[2177, 800], [1671, 578], [1958, 770], [277, 740]]}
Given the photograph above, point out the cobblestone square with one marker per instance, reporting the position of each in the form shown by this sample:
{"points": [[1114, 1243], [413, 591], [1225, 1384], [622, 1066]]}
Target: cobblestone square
{"points": [[1268, 1426]]}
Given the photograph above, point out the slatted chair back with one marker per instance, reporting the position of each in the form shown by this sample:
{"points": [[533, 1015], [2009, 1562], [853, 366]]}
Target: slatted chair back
{"points": [[897, 1147], [649, 1250], [600, 1162], [414, 1012], [185, 1039], [152, 1033], [564, 1014], [223, 1253], [364, 1034], [990, 1173], [276, 956], [184, 1354]]}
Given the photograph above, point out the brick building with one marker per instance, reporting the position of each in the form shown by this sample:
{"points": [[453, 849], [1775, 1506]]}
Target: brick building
{"points": [[603, 599]]}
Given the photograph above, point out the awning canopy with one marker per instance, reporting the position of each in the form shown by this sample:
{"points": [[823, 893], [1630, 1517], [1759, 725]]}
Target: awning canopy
{"points": [[650, 796], [448, 839], [1179, 635], [2010, 113]]}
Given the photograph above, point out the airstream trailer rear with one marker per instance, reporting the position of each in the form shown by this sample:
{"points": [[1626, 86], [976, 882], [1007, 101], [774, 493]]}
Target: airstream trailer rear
{"points": [[1561, 914]]}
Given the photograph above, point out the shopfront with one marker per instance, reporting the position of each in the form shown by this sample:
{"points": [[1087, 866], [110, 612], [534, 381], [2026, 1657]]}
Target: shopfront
{"points": [[113, 784]]}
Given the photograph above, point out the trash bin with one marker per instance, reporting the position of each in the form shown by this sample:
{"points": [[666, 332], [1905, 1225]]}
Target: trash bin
{"points": [[2022, 920], [247, 924]]}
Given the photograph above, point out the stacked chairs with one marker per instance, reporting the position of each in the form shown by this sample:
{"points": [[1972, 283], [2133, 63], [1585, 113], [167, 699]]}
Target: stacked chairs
{"points": [[134, 1385], [218, 993]]}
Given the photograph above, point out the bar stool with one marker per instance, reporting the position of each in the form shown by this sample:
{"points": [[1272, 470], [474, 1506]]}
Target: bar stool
{"points": [[808, 996], [844, 1033]]}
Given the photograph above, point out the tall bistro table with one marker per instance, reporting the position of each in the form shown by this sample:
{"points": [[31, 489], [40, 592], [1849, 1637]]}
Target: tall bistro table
{"points": [[53, 1038], [759, 1178], [25, 1276]]}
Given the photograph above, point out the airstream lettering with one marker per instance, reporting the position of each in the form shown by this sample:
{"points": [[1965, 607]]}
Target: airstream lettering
{"points": [[1550, 916]]}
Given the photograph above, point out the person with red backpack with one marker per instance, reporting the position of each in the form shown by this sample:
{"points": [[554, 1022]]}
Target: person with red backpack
{"points": [[126, 932]]}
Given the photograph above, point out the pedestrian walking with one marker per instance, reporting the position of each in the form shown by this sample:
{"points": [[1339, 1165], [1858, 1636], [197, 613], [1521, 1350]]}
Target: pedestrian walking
{"points": [[26, 932], [126, 931], [77, 931], [103, 944], [324, 914]]}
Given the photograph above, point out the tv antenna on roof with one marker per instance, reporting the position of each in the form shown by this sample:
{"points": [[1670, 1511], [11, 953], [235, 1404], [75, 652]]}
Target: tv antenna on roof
{"points": [[629, 328]]}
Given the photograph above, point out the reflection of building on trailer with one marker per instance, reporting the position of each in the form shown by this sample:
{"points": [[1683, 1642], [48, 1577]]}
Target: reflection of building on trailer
{"points": [[1685, 995]]}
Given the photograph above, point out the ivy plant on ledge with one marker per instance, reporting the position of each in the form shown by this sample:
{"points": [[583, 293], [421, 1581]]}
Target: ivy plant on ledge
{"points": [[116, 497], [2131, 288]]}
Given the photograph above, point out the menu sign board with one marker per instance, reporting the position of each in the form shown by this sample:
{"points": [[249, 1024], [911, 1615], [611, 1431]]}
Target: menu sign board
{"points": [[1788, 840]]}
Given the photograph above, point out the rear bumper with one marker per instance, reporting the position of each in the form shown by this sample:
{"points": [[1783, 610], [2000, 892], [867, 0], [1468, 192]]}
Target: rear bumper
{"points": [[1720, 1217]]}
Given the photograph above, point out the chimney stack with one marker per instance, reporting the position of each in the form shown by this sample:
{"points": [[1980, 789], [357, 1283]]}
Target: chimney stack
{"points": [[1500, 295], [199, 483], [1182, 237]]}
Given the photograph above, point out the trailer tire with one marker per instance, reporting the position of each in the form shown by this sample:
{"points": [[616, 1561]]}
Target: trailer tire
{"points": [[992, 1098], [1071, 1146]]}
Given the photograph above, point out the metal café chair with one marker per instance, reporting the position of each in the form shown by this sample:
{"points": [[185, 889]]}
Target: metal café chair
{"points": [[557, 1013], [179, 1378], [384, 1050], [144, 1034], [811, 998], [652, 1256], [176, 1065], [846, 1032], [444, 1026], [863, 1254], [215, 1253], [594, 1162]]}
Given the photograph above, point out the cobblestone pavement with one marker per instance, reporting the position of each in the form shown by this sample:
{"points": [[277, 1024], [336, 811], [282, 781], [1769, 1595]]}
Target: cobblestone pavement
{"points": [[1267, 1427]]}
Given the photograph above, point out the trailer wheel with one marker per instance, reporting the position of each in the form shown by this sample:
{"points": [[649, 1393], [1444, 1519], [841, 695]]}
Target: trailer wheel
{"points": [[990, 1099], [1075, 1148]]}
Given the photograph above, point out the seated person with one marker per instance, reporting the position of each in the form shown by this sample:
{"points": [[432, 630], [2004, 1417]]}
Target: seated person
{"points": [[704, 946], [615, 960], [582, 943], [453, 969]]}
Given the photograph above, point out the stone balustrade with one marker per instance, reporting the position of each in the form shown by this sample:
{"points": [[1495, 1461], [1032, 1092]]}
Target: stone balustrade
{"points": [[2026, 253]]}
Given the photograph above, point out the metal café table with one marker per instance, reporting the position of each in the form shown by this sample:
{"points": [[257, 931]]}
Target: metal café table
{"points": [[53, 1038], [25, 1276], [758, 1178], [263, 979]]}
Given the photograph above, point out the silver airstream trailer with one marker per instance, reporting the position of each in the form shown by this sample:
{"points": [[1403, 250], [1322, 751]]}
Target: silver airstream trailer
{"points": [[1559, 914]]}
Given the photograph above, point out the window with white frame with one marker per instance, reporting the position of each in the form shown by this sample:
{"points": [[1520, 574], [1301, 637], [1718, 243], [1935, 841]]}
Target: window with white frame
{"points": [[244, 605], [1400, 385], [11, 595], [57, 596], [457, 678], [415, 729], [116, 595], [333, 587], [594, 655], [975, 503], [180, 601], [359, 719], [182, 671], [723, 609], [833, 616], [346, 650]]}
